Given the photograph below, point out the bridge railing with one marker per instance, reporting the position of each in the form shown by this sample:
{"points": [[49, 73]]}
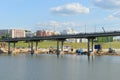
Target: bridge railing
{"points": [[78, 35]]}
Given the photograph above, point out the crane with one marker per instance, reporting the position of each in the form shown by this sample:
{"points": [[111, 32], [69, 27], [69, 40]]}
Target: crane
{"points": [[103, 29], [108, 39]]}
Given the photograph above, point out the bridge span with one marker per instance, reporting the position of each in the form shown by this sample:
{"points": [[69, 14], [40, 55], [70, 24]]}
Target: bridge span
{"points": [[89, 36]]}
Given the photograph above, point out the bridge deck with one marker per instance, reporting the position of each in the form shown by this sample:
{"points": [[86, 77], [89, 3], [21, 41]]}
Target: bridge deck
{"points": [[62, 37]]}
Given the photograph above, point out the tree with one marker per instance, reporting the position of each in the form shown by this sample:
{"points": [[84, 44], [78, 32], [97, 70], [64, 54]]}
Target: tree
{"points": [[104, 39], [0, 37], [27, 31], [7, 35]]}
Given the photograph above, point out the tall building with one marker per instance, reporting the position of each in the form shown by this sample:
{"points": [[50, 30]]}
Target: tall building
{"points": [[44, 33], [13, 33], [17, 33]]}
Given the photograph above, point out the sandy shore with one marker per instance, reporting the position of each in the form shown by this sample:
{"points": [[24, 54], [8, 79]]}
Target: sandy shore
{"points": [[46, 51]]}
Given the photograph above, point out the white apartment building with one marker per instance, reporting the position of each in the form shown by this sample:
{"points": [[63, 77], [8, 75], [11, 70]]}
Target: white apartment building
{"points": [[13, 33]]}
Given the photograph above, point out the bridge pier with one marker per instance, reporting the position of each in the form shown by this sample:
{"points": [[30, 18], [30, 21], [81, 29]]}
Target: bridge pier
{"points": [[92, 44], [9, 50], [32, 50], [36, 45], [62, 43], [88, 47], [58, 52], [14, 46], [92, 40]]}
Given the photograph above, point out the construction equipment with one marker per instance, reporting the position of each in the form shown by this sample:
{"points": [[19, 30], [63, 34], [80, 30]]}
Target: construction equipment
{"points": [[110, 50], [103, 29]]}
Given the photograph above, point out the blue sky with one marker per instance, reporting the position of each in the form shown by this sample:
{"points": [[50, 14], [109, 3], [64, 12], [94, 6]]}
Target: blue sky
{"points": [[61, 14]]}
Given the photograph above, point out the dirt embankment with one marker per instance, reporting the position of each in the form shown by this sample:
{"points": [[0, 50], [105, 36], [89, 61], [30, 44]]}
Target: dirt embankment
{"points": [[46, 51]]}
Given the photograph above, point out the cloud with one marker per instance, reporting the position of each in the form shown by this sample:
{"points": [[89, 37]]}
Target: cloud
{"points": [[117, 14], [70, 9], [114, 16], [111, 17], [58, 24], [107, 4]]}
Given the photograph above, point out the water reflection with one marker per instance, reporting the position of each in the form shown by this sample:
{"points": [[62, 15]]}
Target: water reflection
{"points": [[66, 67]]}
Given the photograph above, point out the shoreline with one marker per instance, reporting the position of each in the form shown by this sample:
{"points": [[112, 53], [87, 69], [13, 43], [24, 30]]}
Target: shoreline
{"points": [[46, 51]]}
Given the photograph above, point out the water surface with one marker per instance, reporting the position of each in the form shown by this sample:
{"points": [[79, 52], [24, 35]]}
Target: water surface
{"points": [[50, 67]]}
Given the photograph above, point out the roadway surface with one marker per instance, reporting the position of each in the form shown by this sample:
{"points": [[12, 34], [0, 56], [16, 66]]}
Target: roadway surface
{"points": [[63, 37]]}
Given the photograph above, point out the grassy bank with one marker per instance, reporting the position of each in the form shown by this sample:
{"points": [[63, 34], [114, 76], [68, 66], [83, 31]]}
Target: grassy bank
{"points": [[47, 44]]}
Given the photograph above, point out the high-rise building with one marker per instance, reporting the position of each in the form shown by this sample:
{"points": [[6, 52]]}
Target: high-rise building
{"points": [[13, 33], [44, 33], [17, 33]]}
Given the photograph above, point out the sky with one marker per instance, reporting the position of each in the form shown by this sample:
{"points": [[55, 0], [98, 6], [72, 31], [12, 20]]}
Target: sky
{"points": [[80, 15]]}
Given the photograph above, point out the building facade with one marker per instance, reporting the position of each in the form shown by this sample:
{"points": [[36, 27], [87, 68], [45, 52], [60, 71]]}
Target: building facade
{"points": [[17, 33], [13, 33], [44, 33]]}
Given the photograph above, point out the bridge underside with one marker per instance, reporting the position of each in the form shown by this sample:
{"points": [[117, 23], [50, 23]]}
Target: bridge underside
{"points": [[58, 46], [89, 36]]}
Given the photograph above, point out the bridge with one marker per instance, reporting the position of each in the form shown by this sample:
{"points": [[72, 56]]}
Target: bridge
{"points": [[89, 36]]}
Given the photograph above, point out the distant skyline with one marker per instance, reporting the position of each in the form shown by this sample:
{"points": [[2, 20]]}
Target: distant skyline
{"points": [[81, 15]]}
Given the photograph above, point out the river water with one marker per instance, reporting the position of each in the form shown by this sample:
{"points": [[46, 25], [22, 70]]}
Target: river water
{"points": [[51, 67]]}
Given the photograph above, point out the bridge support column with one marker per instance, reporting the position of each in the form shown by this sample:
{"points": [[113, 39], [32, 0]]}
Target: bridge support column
{"points": [[62, 43], [88, 47], [92, 44], [58, 52], [32, 50], [9, 52], [14, 46], [36, 45]]}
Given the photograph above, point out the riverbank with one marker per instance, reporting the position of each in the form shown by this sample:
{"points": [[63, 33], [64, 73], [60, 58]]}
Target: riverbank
{"points": [[46, 51], [48, 44]]}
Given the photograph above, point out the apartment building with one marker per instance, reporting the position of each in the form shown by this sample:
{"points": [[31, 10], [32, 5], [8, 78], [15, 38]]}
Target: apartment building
{"points": [[13, 33], [44, 33]]}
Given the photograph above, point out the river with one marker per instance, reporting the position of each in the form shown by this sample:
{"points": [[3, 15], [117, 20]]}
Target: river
{"points": [[51, 67]]}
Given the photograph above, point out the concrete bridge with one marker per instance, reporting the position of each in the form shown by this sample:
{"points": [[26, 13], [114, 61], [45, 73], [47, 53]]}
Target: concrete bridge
{"points": [[58, 38]]}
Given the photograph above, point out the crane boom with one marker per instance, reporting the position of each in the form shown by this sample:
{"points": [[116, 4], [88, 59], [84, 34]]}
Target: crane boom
{"points": [[103, 29]]}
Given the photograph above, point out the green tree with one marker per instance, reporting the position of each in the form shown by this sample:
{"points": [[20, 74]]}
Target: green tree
{"points": [[104, 39], [0, 37], [7, 35], [27, 31]]}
